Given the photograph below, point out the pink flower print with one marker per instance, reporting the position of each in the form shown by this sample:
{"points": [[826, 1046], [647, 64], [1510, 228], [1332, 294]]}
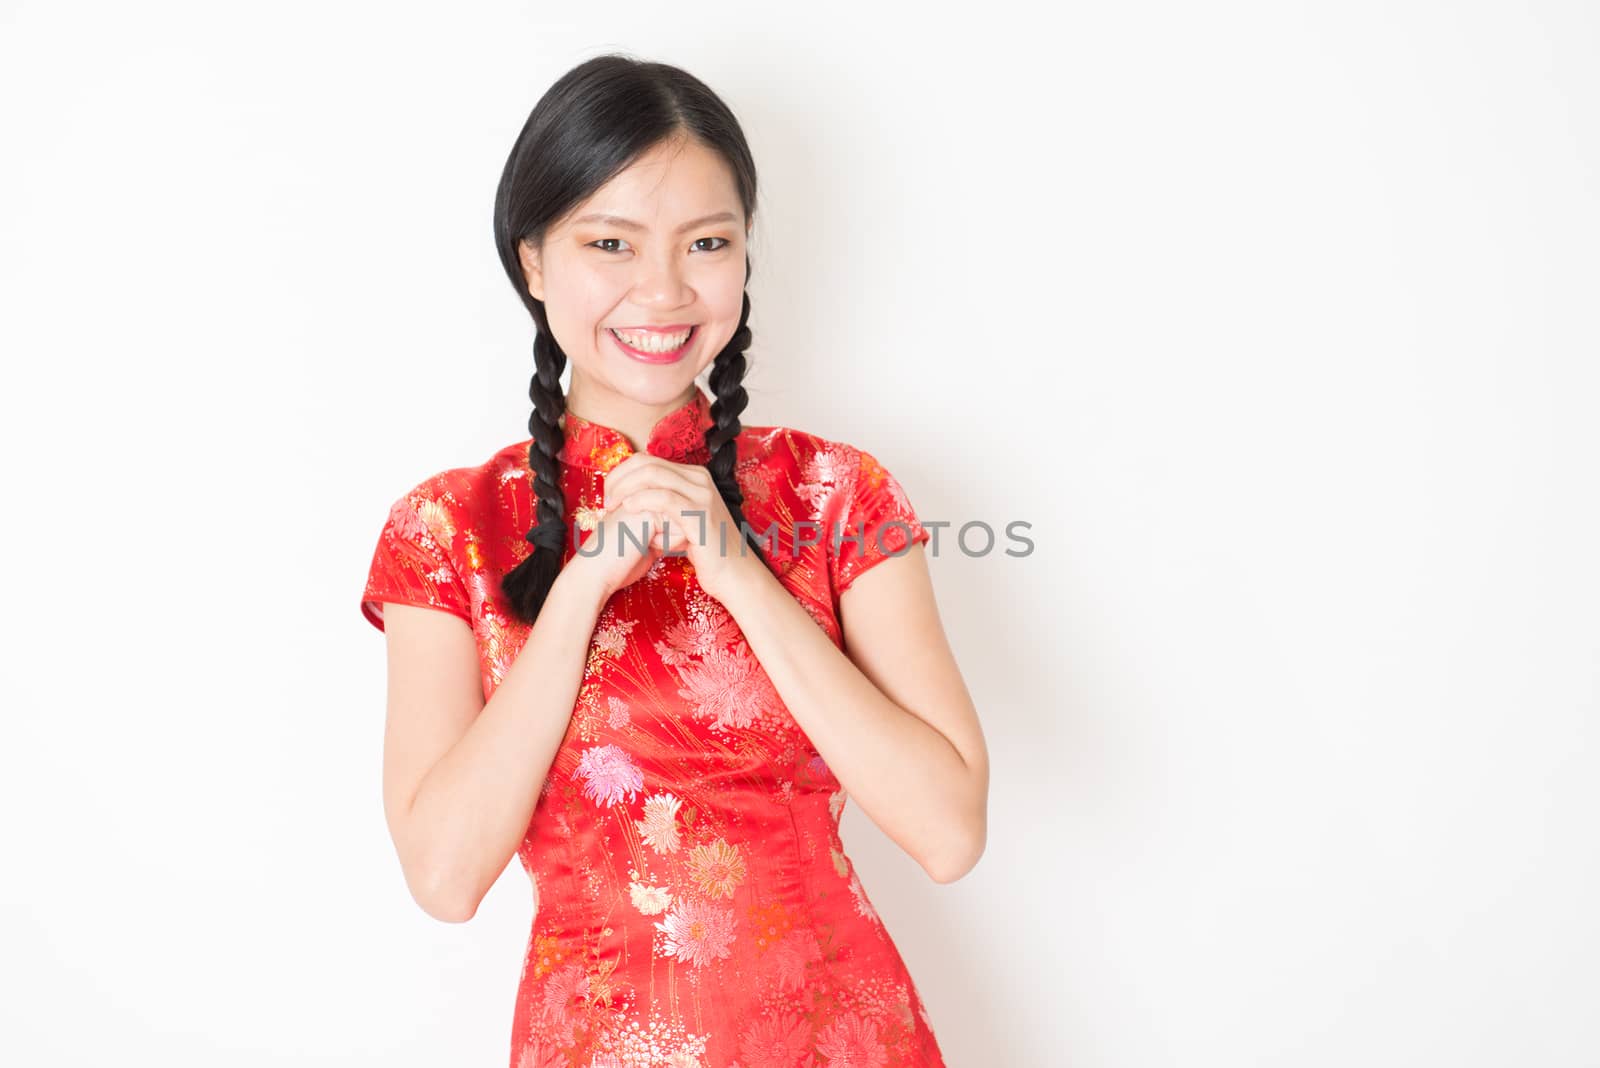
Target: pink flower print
{"points": [[776, 1042], [863, 906], [851, 1042], [833, 465], [649, 900], [790, 957], [659, 828], [700, 634], [540, 1054], [609, 775], [897, 494], [729, 688], [827, 472], [670, 656], [698, 932], [619, 713], [750, 481], [612, 638], [564, 994], [408, 525], [817, 495]]}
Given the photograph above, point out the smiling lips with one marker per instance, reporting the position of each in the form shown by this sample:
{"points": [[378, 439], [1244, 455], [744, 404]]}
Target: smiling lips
{"points": [[654, 344]]}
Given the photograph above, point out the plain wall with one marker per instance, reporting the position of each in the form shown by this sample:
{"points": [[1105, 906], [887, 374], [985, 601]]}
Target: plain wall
{"points": [[1276, 321]]}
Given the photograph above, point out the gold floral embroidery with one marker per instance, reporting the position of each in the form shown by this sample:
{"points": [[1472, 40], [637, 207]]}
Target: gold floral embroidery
{"points": [[438, 520], [694, 904], [716, 867]]}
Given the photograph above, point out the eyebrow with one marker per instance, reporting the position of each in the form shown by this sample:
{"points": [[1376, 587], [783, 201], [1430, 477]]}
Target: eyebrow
{"points": [[629, 224]]}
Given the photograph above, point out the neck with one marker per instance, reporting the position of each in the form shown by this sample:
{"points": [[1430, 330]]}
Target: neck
{"points": [[633, 418]]}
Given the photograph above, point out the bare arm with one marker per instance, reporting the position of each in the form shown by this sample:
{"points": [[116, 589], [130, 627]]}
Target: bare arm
{"points": [[461, 777], [891, 715]]}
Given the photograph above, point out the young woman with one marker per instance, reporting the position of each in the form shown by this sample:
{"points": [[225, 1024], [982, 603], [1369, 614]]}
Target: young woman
{"points": [[670, 645]]}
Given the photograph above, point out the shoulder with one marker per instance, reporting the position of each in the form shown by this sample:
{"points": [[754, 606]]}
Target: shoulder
{"points": [[811, 456], [826, 474], [456, 498]]}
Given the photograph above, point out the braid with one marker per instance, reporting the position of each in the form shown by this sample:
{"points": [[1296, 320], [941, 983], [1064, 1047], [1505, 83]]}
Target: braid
{"points": [[727, 373], [528, 584]]}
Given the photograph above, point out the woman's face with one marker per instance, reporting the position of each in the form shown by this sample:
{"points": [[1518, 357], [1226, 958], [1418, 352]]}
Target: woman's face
{"points": [[670, 256]]}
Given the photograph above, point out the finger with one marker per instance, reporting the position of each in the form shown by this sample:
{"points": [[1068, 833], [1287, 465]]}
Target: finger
{"points": [[614, 482], [649, 523], [637, 529], [693, 482], [674, 538], [667, 502], [665, 536]]}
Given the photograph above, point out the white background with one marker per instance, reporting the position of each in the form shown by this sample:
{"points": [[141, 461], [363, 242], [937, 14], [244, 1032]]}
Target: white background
{"points": [[1276, 320]]}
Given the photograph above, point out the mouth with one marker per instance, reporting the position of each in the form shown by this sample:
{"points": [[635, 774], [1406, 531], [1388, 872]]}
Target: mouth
{"points": [[654, 345]]}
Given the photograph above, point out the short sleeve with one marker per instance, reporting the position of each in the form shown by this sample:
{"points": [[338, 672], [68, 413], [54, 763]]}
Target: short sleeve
{"points": [[878, 523], [411, 564]]}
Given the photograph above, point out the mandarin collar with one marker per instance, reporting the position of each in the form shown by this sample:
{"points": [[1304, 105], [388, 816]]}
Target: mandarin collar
{"points": [[679, 436]]}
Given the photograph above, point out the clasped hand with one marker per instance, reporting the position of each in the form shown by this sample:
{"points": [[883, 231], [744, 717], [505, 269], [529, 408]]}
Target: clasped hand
{"points": [[684, 514]]}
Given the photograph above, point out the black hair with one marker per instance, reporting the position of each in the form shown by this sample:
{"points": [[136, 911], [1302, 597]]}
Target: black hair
{"points": [[591, 124]]}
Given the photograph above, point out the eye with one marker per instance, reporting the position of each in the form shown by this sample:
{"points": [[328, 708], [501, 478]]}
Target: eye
{"points": [[593, 244], [719, 248]]}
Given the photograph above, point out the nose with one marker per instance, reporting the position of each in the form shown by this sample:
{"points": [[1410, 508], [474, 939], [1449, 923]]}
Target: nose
{"points": [[661, 283]]}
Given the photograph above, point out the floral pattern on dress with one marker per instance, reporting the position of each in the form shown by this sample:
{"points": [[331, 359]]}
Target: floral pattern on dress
{"points": [[694, 904]]}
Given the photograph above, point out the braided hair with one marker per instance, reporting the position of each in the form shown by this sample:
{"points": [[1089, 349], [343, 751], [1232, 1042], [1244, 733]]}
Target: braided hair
{"points": [[591, 124]]}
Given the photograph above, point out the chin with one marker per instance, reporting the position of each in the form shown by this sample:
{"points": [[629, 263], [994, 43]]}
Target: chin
{"points": [[664, 381], [652, 385]]}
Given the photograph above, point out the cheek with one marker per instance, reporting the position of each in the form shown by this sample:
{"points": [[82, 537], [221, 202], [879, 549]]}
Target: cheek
{"points": [[723, 297], [581, 302]]}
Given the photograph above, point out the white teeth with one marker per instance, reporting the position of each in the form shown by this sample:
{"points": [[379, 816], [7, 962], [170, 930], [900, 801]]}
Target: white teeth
{"points": [[653, 342]]}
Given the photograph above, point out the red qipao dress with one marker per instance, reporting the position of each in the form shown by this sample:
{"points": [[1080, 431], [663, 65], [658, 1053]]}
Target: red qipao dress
{"points": [[694, 905]]}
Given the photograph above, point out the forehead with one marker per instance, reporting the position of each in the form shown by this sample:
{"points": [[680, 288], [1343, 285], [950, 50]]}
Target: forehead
{"points": [[672, 184]]}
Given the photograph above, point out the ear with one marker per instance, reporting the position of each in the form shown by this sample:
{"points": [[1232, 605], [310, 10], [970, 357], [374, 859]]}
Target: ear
{"points": [[531, 271]]}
